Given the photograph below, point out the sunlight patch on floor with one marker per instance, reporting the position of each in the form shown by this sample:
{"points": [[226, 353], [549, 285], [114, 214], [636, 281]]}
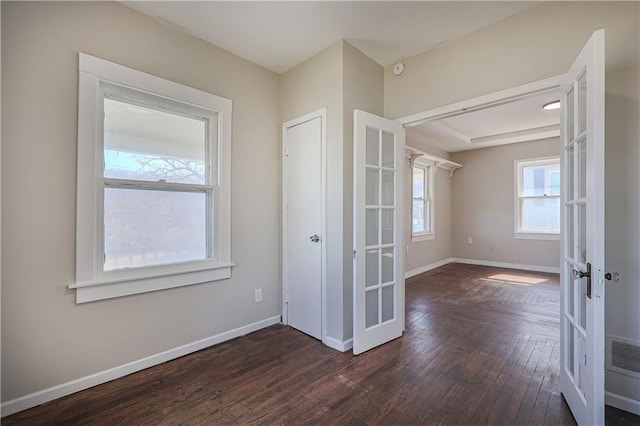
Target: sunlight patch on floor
{"points": [[517, 279]]}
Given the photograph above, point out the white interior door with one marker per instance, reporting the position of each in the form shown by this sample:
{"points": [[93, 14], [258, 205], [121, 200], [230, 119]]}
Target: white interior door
{"points": [[378, 291], [303, 207], [582, 297]]}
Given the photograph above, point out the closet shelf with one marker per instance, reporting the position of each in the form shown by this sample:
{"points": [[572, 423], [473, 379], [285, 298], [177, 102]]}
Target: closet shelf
{"points": [[413, 154]]}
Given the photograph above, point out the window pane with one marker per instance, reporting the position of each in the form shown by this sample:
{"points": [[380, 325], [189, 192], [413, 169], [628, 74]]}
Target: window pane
{"points": [[418, 183], [142, 143], [541, 180], [147, 227], [418, 216], [541, 214]]}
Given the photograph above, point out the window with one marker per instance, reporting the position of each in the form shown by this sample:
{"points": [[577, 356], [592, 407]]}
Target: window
{"points": [[153, 208], [422, 202], [538, 198]]}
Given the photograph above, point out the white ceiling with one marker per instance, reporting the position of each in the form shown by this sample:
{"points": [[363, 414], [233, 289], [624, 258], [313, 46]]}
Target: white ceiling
{"points": [[518, 121], [280, 35]]}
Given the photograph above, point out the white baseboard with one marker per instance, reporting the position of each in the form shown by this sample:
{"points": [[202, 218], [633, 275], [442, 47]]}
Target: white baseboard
{"points": [[429, 267], [622, 402], [339, 345], [64, 389], [536, 268]]}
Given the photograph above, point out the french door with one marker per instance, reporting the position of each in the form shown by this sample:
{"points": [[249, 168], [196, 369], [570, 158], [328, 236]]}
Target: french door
{"points": [[378, 290], [582, 272]]}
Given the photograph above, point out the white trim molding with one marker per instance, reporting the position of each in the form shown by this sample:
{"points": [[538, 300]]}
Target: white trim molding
{"points": [[64, 389], [426, 268], [535, 268], [622, 402], [338, 345]]}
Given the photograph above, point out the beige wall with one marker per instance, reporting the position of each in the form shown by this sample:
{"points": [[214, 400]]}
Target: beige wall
{"points": [[363, 90], [47, 339], [340, 78], [483, 206], [425, 253], [314, 84], [535, 44]]}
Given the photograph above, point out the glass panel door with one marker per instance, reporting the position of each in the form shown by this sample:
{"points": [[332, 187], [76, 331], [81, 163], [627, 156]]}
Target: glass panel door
{"points": [[582, 316], [378, 263]]}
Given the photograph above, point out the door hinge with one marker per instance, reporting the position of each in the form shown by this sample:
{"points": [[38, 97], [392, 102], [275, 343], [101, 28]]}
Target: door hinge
{"points": [[286, 297], [354, 254]]}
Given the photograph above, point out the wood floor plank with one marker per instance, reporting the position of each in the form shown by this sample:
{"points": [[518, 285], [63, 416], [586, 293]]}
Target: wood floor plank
{"points": [[481, 347]]}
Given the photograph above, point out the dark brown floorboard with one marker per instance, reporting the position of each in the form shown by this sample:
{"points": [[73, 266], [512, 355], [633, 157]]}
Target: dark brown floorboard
{"points": [[480, 349]]}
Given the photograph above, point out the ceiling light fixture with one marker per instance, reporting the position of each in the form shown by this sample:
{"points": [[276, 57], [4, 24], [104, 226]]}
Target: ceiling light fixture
{"points": [[551, 105]]}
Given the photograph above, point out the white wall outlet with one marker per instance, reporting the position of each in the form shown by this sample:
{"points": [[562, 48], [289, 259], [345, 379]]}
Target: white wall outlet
{"points": [[257, 295], [469, 240]]}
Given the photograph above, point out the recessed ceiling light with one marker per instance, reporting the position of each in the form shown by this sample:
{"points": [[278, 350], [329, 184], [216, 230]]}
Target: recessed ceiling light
{"points": [[551, 105]]}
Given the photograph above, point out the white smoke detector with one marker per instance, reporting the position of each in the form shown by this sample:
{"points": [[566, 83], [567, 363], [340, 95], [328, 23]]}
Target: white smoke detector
{"points": [[398, 68]]}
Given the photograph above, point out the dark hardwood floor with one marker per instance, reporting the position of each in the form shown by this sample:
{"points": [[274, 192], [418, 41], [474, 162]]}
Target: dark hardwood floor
{"points": [[481, 347]]}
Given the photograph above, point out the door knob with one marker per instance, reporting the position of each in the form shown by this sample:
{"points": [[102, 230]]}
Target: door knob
{"points": [[579, 274], [612, 276], [315, 238]]}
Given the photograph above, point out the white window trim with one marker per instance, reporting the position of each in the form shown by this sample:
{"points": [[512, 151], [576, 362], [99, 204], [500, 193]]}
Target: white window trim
{"points": [[430, 168], [519, 234], [91, 282]]}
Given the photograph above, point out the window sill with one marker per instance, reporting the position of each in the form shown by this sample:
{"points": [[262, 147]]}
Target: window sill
{"points": [[416, 238], [536, 236], [109, 289]]}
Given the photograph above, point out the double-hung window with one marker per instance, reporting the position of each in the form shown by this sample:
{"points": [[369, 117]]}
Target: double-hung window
{"points": [[538, 198], [422, 201], [153, 200]]}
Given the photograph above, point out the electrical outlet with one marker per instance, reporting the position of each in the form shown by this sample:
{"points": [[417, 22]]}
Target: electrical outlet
{"points": [[469, 240], [257, 295]]}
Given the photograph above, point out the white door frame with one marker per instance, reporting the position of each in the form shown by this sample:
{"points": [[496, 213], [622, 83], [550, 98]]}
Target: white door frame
{"points": [[322, 113], [485, 101]]}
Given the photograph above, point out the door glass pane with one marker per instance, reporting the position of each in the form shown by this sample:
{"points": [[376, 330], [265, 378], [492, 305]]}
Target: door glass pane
{"points": [[141, 143], [571, 350], [569, 116], [582, 103], [387, 188], [387, 226], [582, 238], [541, 214], [371, 268], [373, 150], [372, 192], [387, 265], [570, 243], [570, 167], [148, 227], [388, 303], [371, 227], [571, 285], [582, 167], [583, 303], [388, 150], [371, 308]]}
